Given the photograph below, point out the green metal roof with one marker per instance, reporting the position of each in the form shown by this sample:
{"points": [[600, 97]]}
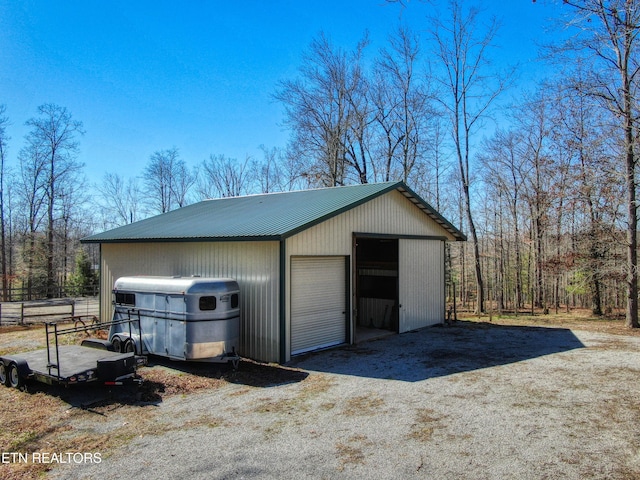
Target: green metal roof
{"points": [[272, 216]]}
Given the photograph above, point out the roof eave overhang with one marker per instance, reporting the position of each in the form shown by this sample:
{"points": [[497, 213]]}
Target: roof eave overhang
{"points": [[253, 238], [431, 212]]}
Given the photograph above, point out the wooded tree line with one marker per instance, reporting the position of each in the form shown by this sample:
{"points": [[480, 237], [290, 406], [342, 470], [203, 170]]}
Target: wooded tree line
{"points": [[544, 186]]}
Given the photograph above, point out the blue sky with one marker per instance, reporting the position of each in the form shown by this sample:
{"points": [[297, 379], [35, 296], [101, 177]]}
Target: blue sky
{"points": [[198, 75]]}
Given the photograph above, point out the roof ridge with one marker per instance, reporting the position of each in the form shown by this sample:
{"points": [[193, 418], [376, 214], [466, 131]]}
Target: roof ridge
{"points": [[264, 194]]}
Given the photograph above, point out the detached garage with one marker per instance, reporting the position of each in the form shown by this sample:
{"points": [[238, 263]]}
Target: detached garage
{"points": [[316, 268]]}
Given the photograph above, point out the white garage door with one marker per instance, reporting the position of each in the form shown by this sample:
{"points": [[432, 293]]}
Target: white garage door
{"points": [[318, 298], [421, 283]]}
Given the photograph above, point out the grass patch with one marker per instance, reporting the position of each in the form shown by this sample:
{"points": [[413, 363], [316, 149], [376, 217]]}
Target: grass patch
{"points": [[363, 405], [164, 381], [205, 421], [425, 424], [311, 387], [282, 406], [351, 451], [577, 319]]}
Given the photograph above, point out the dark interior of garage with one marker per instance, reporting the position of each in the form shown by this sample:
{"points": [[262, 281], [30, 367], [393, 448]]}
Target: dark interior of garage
{"points": [[376, 285]]}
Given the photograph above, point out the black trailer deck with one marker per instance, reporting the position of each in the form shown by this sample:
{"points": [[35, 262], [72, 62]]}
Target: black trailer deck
{"points": [[93, 361], [77, 363]]}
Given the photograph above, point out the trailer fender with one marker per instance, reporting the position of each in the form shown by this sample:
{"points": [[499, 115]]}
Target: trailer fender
{"points": [[21, 366], [17, 373], [98, 343]]}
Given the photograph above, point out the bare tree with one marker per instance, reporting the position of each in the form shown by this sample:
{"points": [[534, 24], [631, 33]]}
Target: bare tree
{"points": [[504, 171], [72, 217], [53, 136], [326, 110], [121, 199], [607, 32], [31, 193], [167, 180], [534, 124], [470, 89], [277, 171], [402, 111], [292, 169], [225, 177], [4, 122]]}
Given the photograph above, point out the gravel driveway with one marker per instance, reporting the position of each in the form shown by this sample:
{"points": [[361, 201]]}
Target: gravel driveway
{"points": [[474, 401]]}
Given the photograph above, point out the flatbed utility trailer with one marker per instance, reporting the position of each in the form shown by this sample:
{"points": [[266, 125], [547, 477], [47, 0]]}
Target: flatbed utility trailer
{"points": [[94, 361]]}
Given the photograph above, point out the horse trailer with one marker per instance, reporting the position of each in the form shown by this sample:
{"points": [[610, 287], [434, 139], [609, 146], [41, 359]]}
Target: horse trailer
{"points": [[182, 318]]}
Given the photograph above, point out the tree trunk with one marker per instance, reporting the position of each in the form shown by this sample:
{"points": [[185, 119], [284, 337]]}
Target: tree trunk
{"points": [[476, 251], [632, 235]]}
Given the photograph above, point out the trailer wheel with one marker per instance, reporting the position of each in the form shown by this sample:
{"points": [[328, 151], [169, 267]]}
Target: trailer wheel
{"points": [[4, 378], [15, 380], [117, 344], [128, 346]]}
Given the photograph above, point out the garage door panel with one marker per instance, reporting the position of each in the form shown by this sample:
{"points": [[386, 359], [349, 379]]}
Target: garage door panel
{"points": [[421, 283], [318, 299], [324, 333]]}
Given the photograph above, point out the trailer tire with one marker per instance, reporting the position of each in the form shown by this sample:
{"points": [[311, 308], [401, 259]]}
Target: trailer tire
{"points": [[15, 380], [4, 377], [116, 342], [128, 346]]}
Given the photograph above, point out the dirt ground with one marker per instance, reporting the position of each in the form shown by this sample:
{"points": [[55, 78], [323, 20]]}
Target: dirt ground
{"points": [[542, 397]]}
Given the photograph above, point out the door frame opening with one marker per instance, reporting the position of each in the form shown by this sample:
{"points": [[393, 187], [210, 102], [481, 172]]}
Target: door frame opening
{"points": [[376, 286]]}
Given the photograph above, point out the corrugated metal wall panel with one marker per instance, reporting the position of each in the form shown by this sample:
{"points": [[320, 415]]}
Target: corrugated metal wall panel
{"points": [[421, 283], [317, 303], [389, 214], [255, 265], [375, 312]]}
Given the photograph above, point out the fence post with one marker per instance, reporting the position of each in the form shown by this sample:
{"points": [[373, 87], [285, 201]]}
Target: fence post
{"points": [[22, 313], [73, 308]]}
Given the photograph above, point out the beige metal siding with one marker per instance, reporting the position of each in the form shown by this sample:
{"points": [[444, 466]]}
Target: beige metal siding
{"points": [[421, 283], [317, 303], [390, 214], [255, 265]]}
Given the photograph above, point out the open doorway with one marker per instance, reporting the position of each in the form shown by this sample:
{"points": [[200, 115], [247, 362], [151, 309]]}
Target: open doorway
{"points": [[376, 280]]}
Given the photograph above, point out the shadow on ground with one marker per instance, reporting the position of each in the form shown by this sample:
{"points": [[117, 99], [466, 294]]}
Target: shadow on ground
{"points": [[99, 399], [250, 373], [440, 351]]}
